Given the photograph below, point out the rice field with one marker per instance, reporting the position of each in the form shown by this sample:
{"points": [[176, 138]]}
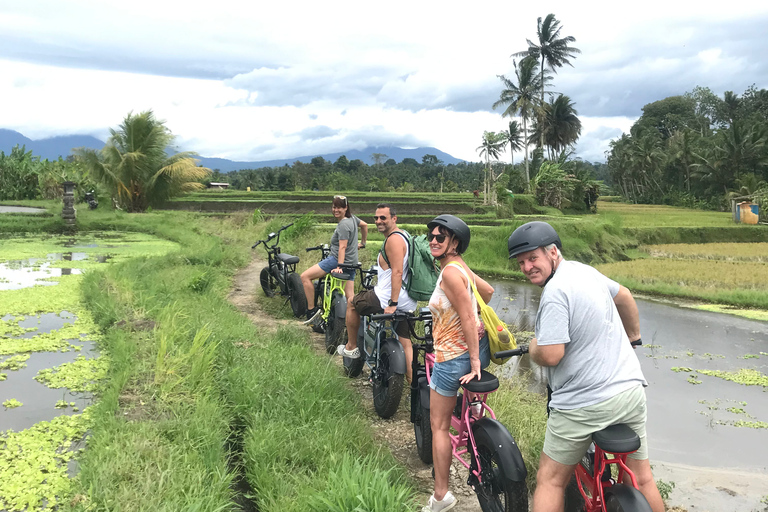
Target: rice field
{"points": [[699, 271], [754, 252], [646, 215]]}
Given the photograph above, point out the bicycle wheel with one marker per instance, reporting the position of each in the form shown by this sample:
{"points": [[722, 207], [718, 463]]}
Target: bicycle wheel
{"points": [[495, 494], [296, 295], [335, 329], [574, 501], [267, 284], [319, 324], [625, 498], [423, 430], [353, 367], [387, 388]]}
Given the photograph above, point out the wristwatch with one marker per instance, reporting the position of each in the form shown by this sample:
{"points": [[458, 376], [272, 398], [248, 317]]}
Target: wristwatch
{"points": [[392, 302]]}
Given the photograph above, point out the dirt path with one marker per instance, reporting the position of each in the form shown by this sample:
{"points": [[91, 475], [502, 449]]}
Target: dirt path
{"points": [[696, 489], [396, 432]]}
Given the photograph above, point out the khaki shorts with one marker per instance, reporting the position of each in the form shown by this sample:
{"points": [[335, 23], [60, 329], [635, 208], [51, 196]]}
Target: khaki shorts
{"points": [[569, 432], [367, 303]]}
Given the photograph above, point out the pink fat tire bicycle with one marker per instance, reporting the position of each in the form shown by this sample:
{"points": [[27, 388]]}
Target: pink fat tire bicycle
{"points": [[496, 471]]}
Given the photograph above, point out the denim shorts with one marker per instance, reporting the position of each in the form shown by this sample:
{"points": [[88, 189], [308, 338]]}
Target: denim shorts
{"points": [[331, 263], [445, 376]]}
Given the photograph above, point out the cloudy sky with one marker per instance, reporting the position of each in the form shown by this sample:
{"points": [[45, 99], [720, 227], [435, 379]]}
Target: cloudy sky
{"points": [[266, 80]]}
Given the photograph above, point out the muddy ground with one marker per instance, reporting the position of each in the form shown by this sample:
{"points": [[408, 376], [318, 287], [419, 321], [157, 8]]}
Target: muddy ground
{"points": [[696, 489]]}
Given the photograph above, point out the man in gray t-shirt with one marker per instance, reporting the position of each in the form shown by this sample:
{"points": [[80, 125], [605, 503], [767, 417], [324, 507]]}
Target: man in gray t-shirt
{"points": [[584, 327]]}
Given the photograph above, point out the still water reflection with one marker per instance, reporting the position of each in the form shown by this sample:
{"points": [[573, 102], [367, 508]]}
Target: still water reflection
{"points": [[689, 423]]}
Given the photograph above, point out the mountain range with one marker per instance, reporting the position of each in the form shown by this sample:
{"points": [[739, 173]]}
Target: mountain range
{"points": [[54, 147]]}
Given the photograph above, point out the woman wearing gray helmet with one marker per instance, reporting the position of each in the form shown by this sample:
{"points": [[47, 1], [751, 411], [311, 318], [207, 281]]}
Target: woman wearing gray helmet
{"points": [[460, 345]]}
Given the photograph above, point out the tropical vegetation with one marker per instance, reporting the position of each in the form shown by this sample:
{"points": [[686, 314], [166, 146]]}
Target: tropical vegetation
{"points": [[696, 149], [137, 167]]}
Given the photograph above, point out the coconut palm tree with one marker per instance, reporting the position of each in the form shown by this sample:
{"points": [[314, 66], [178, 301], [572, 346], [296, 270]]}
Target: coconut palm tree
{"points": [[514, 139], [552, 50], [559, 126], [521, 98], [492, 146], [135, 166]]}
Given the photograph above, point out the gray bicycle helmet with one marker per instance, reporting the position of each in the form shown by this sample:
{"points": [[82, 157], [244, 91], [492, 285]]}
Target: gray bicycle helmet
{"points": [[530, 236], [456, 226]]}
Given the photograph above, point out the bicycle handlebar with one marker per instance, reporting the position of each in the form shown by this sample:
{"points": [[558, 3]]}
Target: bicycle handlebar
{"points": [[317, 248], [271, 236], [522, 349]]}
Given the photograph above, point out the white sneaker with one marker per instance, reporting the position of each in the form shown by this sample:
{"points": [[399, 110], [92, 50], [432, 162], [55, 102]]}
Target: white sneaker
{"points": [[352, 354], [447, 503]]}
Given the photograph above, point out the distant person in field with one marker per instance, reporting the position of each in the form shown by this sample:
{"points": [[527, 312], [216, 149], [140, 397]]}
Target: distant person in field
{"points": [[389, 294], [344, 247]]}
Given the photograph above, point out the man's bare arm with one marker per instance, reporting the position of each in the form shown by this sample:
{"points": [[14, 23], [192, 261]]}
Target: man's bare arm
{"points": [[630, 316]]}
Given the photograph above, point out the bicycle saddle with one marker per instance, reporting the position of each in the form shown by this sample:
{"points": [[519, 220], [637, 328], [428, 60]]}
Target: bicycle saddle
{"points": [[487, 383], [287, 258], [617, 439]]}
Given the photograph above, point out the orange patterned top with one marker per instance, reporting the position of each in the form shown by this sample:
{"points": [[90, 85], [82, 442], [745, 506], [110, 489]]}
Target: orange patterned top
{"points": [[446, 323]]}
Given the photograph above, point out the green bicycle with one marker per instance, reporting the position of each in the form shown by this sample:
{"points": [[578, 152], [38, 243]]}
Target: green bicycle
{"points": [[332, 319]]}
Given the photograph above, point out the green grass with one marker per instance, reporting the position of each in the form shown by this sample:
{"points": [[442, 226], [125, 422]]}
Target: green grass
{"points": [[643, 215]]}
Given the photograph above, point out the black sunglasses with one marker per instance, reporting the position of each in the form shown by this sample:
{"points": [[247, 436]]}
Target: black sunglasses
{"points": [[440, 238], [379, 217]]}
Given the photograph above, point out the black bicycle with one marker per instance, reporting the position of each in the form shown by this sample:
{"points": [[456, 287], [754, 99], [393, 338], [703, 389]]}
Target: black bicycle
{"points": [[280, 273]]}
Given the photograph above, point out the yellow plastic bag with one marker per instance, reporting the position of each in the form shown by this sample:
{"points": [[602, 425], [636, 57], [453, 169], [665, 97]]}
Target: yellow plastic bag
{"points": [[492, 322]]}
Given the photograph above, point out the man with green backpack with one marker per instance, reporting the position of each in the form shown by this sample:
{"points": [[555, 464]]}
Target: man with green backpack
{"points": [[411, 276]]}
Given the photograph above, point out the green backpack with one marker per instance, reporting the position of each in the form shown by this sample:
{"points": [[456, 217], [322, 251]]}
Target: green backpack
{"points": [[420, 278]]}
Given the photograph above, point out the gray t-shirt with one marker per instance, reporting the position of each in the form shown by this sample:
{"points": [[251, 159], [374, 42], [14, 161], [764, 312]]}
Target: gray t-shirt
{"points": [[346, 230], [577, 309]]}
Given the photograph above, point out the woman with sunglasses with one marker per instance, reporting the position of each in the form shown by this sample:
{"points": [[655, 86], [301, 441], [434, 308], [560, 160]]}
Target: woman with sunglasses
{"points": [[344, 247], [460, 344]]}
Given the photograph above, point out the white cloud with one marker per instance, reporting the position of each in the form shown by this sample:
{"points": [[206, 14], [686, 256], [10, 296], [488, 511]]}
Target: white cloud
{"points": [[276, 80]]}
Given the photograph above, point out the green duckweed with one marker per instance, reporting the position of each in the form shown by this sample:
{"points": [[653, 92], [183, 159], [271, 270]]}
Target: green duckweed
{"points": [[12, 403], [33, 462], [80, 375], [745, 376], [14, 363]]}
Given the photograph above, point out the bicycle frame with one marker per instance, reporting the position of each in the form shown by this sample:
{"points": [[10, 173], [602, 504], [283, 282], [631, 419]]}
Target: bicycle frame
{"points": [[463, 441], [593, 476]]}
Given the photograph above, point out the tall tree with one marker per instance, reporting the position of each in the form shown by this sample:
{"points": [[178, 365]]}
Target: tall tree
{"points": [[492, 146], [520, 98], [552, 51], [135, 166], [514, 139], [558, 126]]}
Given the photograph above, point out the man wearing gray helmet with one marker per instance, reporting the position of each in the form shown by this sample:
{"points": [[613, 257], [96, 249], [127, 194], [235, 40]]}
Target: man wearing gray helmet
{"points": [[584, 327]]}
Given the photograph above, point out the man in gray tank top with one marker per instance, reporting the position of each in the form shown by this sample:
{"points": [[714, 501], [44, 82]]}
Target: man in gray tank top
{"points": [[584, 327]]}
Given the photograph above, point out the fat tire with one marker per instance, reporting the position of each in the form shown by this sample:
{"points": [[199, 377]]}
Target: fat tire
{"points": [[497, 494], [296, 295], [388, 390], [625, 498], [334, 332], [266, 282], [423, 430], [574, 501]]}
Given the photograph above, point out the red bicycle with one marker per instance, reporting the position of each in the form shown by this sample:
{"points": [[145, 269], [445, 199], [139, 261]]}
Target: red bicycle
{"points": [[592, 487]]}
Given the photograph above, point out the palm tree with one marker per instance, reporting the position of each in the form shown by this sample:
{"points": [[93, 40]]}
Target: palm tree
{"points": [[680, 148], [520, 98], [551, 49], [514, 139], [492, 146], [135, 167], [559, 126]]}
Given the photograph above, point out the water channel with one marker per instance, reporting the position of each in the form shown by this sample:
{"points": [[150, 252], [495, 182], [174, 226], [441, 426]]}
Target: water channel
{"points": [[687, 423]]}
